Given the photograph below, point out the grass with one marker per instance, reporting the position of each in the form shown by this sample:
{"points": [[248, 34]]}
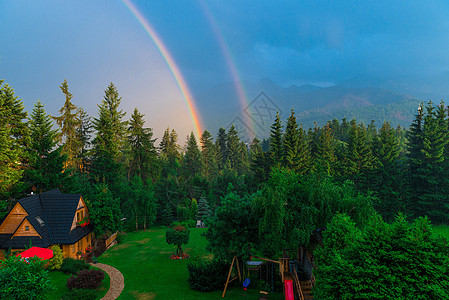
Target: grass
{"points": [[143, 259], [441, 230], [59, 280]]}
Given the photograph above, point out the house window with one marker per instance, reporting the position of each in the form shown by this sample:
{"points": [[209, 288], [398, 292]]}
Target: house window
{"points": [[78, 216], [27, 228], [73, 248]]}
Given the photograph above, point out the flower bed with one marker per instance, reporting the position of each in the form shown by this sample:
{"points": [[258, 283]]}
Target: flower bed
{"points": [[184, 256]]}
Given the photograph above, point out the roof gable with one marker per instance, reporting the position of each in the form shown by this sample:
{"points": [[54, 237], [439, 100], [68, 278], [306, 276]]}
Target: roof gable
{"points": [[13, 219]]}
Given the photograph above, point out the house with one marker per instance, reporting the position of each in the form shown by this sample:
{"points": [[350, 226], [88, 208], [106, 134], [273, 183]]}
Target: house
{"points": [[47, 219]]}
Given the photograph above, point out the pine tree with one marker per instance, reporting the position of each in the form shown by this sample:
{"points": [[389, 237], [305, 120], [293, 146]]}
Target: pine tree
{"points": [[83, 136], [14, 139], [359, 159], [222, 149], [433, 200], [192, 158], [259, 164], [46, 162], [304, 158], [416, 161], [109, 141], [234, 155], [388, 181], [68, 123], [290, 140], [208, 155], [203, 209], [326, 151], [142, 156], [275, 152]]}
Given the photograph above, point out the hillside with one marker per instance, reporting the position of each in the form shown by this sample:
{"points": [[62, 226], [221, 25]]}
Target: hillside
{"points": [[363, 98]]}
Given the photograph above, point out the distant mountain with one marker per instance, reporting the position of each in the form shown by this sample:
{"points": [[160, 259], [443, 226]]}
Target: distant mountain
{"points": [[364, 98]]}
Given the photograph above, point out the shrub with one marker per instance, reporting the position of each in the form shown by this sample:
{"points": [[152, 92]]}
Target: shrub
{"points": [[207, 276], [23, 280], [73, 266], [120, 237], [55, 262], [77, 294], [179, 236], [86, 279]]}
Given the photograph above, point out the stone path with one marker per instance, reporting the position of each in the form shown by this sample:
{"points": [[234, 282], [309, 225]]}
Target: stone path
{"points": [[117, 281]]}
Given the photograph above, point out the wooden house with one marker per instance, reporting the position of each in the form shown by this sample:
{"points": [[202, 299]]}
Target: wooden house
{"points": [[43, 220]]}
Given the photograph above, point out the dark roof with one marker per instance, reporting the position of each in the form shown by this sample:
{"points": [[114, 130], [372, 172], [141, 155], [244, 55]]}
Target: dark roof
{"points": [[51, 214]]}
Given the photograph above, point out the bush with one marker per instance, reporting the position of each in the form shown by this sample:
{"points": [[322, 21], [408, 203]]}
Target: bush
{"points": [[77, 294], [86, 279], [23, 280], [120, 237], [55, 262], [73, 266], [207, 276], [179, 236]]}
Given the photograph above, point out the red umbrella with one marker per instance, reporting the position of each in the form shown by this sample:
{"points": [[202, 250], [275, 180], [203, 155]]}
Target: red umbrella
{"points": [[43, 253]]}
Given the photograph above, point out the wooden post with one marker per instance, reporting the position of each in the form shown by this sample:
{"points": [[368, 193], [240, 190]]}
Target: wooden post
{"points": [[229, 274]]}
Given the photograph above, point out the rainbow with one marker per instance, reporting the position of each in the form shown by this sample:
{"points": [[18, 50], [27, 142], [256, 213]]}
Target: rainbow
{"points": [[179, 79], [243, 99]]}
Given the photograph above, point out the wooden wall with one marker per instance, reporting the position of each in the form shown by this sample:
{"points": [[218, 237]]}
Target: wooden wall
{"points": [[13, 220], [21, 231]]}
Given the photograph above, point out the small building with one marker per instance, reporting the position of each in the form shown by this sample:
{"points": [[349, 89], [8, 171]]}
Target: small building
{"points": [[43, 220]]}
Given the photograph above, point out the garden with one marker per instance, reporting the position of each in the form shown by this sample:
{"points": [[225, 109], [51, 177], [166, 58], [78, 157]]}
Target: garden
{"points": [[144, 258]]}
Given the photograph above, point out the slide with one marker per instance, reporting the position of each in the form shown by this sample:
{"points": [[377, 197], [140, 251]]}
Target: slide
{"points": [[288, 286]]}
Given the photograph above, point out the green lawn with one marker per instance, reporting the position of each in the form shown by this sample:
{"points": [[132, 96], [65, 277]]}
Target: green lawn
{"points": [[149, 273], [441, 230], [59, 280]]}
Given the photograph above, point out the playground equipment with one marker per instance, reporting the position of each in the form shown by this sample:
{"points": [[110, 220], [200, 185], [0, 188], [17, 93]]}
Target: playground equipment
{"points": [[293, 287]]}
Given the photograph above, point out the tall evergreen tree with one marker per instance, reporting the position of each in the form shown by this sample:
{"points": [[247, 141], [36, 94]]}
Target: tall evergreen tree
{"points": [[234, 155], [290, 152], [326, 151], [275, 152], [68, 123], [46, 163], [259, 165], [192, 157], [142, 160], [222, 149], [83, 136], [109, 140], [416, 161], [208, 155], [14, 136]]}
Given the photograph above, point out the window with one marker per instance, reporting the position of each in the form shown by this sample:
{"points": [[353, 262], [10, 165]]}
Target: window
{"points": [[27, 228], [39, 220]]}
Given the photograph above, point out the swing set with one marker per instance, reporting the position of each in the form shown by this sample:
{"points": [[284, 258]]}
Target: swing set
{"points": [[292, 285]]}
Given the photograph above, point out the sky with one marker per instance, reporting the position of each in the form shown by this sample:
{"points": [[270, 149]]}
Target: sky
{"points": [[209, 42]]}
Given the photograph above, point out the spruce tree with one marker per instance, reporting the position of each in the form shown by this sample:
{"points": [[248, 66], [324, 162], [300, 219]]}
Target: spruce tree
{"points": [[290, 149], [222, 149], [203, 209], [275, 152], [192, 158], [326, 151], [110, 137], [208, 155], [15, 138], [83, 136], [259, 165], [416, 161], [234, 155], [68, 123], [142, 156], [46, 163]]}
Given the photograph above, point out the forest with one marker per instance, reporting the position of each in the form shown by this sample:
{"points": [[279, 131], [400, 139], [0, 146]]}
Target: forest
{"points": [[115, 158], [358, 181]]}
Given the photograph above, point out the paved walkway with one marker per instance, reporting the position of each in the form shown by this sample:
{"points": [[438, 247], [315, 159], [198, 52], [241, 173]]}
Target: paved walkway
{"points": [[117, 281]]}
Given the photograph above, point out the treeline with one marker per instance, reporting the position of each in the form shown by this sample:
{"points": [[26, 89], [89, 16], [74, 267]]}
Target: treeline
{"points": [[123, 172]]}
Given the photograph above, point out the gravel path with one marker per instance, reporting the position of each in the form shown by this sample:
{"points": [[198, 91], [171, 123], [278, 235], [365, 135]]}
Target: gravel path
{"points": [[117, 281]]}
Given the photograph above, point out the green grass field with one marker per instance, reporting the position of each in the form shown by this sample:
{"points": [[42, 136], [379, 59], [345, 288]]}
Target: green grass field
{"points": [[441, 230], [149, 273], [59, 280]]}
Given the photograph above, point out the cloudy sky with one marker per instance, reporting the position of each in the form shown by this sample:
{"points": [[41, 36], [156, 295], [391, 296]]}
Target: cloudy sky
{"points": [[93, 43]]}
